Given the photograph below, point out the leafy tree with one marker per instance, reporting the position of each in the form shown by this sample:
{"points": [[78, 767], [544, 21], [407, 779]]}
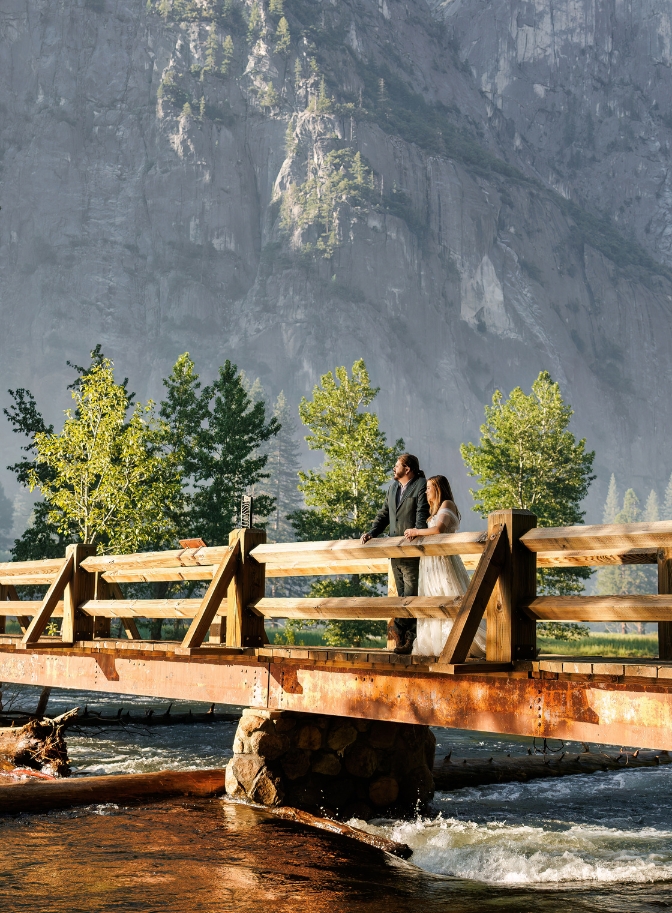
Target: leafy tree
{"points": [[343, 498], [108, 476], [527, 458], [216, 433], [282, 37]]}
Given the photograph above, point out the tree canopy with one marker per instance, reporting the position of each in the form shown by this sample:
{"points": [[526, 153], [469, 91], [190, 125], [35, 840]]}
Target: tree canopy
{"points": [[528, 458]]}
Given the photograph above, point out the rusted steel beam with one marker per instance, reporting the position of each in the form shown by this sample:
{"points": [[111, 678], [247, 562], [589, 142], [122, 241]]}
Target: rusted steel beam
{"points": [[240, 681], [613, 712], [616, 714]]}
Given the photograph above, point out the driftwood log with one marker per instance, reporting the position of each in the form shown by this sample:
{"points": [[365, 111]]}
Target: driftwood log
{"points": [[345, 830], [34, 796], [122, 718], [39, 744], [457, 773]]}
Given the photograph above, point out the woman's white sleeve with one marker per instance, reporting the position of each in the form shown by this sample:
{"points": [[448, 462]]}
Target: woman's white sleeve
{"points": [[446, 521]]}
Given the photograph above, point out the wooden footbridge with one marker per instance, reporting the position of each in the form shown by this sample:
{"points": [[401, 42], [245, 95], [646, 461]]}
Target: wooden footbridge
{"points": [[594, 699]]}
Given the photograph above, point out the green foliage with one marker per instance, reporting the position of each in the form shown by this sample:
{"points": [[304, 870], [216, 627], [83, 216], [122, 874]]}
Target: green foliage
{"points": [[108, 475], [557, 630], [627, 579], [341, 179], [276, 7], [254, 23], [216, 432], [527, 458], [227, 55], [6, 523], [283, 467], [269, 97], [283, 38], [211, 50], [346, 494], [343, 633]]}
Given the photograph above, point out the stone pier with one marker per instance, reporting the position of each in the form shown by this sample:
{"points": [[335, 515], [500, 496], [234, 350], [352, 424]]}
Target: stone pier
{"points": [[331, 765]]}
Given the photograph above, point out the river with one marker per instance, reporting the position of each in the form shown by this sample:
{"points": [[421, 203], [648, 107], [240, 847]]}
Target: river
{"points": [[595, 842]]}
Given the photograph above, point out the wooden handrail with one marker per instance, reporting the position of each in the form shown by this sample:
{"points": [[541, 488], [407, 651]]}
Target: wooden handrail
{"points": [[290, 554], [359, 607], [613, 536], [652, 607]]}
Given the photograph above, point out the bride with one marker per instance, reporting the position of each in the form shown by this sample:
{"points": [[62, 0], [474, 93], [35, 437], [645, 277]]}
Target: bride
{"points": [[443, 575]]}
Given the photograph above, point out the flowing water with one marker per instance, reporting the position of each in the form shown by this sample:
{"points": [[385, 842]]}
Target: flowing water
{"points": [[597, 842]]}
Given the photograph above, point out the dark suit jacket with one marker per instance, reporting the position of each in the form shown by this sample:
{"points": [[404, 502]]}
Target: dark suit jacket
{"points": [[411, 513]]}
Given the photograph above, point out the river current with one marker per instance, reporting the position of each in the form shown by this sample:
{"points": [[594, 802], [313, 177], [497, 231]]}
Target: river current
{"points": [[594, 842]]}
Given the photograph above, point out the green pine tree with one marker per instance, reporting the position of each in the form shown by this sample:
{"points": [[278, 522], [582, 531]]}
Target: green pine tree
{"points": [[283, 38], [666, 513], [528, 458], [218, 434], [276, 7], [227, 55], [611, 505], [211, 50], [627, 579]]}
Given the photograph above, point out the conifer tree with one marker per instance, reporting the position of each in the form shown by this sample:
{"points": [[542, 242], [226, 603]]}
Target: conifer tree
{"points": [[626, 579], [652, 507], [276, 7], [227, 55], [211, 49], [217, 432], [282, 37], [611, 505], [284, 467], [667, 502]]}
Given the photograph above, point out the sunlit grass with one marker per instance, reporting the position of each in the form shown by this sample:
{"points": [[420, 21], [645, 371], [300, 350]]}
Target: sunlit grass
{"points": [[598, 644]]}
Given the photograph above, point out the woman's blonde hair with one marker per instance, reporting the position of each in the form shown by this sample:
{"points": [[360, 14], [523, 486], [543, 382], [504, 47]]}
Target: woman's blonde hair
{"points": [[445, 493]]}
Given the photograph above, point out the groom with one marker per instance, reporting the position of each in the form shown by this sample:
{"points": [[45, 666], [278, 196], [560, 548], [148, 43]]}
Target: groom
{"points": [[405, 508]]}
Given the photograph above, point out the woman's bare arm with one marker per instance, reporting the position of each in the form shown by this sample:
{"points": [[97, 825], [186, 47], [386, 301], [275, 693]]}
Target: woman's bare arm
{"points": [[411, 534]]}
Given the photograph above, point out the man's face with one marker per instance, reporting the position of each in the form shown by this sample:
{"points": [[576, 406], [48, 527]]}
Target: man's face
{"points": [[400, 470]]}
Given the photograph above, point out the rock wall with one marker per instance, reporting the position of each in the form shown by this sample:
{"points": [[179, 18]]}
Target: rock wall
{"points": [[147, 204], [342, 767]]}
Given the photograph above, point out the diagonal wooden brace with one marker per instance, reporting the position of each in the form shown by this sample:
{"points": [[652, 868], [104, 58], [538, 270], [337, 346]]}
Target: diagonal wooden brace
{"points": [[476, 599], [53, 594], [212, 600]]}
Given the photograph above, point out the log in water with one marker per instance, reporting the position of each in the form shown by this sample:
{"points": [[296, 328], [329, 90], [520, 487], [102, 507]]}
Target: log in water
{"points": [[458, 773], [121, 788]]}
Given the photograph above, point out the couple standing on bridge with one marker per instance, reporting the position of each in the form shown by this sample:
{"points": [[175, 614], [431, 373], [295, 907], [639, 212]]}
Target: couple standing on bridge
{"points": [[418, 507]]}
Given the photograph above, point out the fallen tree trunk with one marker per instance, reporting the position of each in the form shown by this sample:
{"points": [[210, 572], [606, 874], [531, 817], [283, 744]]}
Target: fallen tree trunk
{"points": [[337, 827], [458, 773], [39, 744], [90, 718], [121, 788]]}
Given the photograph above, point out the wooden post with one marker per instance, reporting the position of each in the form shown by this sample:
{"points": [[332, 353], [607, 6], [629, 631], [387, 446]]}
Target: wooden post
{"points": [[512, 634], [80, 588], [665, 587], [217, 631], [243, 627]]}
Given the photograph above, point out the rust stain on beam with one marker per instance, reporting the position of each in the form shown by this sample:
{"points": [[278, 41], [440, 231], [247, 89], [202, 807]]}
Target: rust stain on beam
{"points": [[611, 713], [241, 683]]}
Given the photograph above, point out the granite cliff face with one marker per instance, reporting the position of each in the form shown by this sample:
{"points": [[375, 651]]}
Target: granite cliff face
{"points": [[375, 179]]}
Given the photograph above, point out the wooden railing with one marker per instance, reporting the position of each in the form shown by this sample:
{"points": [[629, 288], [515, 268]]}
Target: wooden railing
{"points": [[84, 588]]}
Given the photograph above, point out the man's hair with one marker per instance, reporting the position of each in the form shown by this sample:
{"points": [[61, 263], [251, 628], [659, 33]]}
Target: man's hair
{"points": [[411, 462]]}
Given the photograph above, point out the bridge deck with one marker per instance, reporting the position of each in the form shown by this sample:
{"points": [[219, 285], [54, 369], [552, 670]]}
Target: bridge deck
{"points": [[592, 699]]}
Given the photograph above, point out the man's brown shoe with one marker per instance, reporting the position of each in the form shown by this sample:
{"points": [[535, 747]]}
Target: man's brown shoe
{"points": [[407, 646]]}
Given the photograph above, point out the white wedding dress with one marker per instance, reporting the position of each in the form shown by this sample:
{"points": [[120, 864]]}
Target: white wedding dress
{"points": [[444, 575]]}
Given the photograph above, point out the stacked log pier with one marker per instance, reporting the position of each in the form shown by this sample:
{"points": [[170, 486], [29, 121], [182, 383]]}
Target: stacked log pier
{"points": [[344, 767]]}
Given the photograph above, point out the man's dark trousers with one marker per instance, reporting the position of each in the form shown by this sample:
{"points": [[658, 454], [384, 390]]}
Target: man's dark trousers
{"points": [[406, 572], [401, 511]]}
